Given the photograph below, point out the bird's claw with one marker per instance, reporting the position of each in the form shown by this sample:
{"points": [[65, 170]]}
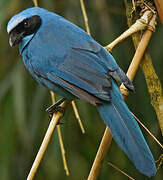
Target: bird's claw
{"points": [[54, 108]]}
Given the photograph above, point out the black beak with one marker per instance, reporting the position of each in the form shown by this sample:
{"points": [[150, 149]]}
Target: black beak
{"points": [[14, 38]]}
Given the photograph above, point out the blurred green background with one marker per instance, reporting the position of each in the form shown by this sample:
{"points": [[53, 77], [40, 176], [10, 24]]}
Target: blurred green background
{"points": [[23, 120]]}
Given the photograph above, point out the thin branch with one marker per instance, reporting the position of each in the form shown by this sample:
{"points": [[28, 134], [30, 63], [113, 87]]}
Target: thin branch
{"points": [[122, 172], [160, 158], [78, 117], [61, 141], [133, 4], [156, 140], [35, 2], [88, 31], [62, 150], [85, 17], [159, 161]]}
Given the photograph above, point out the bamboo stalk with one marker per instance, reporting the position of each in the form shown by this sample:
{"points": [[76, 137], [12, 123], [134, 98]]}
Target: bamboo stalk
{"points": [[156, 140], [35, 2], [159, 161], [78, 117], [105, 143], [85, 17], [131, 73], [122, 172], [45, 142], [62, 150], [154, 88]]}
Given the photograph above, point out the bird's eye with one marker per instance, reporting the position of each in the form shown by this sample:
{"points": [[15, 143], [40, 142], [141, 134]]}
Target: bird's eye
{"points": [[26, 24]]}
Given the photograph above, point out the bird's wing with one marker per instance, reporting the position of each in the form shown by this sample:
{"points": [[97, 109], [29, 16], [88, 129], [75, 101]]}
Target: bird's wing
{"points": [[82, 68], [73, 60]]}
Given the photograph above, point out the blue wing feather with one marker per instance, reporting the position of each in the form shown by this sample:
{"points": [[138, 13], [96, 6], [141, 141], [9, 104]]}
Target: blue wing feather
{"points": [[71, 88]]}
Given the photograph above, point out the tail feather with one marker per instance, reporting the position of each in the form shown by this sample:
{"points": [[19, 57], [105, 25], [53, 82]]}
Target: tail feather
{"points": [[127, 133]]}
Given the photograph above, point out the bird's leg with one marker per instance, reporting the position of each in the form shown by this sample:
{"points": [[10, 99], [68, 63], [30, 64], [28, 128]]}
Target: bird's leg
{"points": [[56, 108]]}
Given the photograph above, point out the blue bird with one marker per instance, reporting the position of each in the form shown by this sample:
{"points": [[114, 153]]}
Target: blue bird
{"points": [[65, 59]]}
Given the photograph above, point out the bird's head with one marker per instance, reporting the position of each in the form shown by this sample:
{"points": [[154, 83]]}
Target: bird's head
{"points": [[22, 27]]}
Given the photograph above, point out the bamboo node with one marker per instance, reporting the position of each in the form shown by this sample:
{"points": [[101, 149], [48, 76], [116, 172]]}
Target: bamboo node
{"points": [[142, 21]]}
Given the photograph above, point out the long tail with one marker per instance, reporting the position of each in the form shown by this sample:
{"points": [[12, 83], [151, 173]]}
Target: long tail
{"points": [[127, 133]]}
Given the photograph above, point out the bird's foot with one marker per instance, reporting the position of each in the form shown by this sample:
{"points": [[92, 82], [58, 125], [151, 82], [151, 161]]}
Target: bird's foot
{"points": [[54, 108]]}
